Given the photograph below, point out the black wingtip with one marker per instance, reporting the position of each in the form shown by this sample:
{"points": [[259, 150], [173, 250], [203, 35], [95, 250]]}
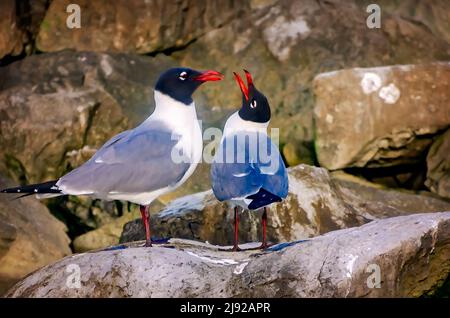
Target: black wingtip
{"points": [[46, 187]]}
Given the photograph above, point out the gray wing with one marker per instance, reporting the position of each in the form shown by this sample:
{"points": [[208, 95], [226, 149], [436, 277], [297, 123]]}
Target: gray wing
{"points": [[234, 179], [134, 161]]}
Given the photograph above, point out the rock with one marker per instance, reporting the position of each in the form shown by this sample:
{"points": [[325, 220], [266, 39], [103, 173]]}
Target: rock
{"points": [[317, 203], [286, 43], [378, 117], [104, 236], [10, 35], [434, 15], [133, 26], [373, 201], [19, 25], [295, 154], [438, 163], [404, 256], [30, 237]]}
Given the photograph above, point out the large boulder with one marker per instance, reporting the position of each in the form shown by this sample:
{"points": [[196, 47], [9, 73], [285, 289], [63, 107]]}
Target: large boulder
{"points": [[317, 203], [30, 237], [286, 43], [404, 256], [438, 165], [133, 26], [378, 117]]}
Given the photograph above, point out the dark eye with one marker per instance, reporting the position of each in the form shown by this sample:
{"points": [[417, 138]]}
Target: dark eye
{"points": [[253, 104], [182, 76]]}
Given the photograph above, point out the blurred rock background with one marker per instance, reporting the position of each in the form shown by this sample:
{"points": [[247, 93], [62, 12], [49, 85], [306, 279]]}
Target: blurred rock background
{"points": [[64, 92]]}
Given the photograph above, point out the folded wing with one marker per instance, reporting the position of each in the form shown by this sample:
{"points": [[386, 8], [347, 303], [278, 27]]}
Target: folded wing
{"points": [[246, 163], [134, 161]]}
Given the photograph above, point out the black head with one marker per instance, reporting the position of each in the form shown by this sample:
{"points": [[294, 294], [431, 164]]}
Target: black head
{"points": [[180, 83], [255, 106]]}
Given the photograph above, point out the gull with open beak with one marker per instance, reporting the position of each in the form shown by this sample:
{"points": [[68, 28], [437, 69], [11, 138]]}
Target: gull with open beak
{"points": [[248, 170]]}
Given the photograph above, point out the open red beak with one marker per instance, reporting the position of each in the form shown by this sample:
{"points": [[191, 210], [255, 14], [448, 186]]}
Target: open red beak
{"points": [[209, 76], [244, 89]]}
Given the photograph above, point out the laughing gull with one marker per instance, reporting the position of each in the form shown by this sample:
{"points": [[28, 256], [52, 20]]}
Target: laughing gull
{"points": [[248, 170], [140, 164]]}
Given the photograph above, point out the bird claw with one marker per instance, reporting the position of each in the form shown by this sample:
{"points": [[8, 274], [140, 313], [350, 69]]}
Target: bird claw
{"points": [[150, 243], [147, 244], [263, 247]]}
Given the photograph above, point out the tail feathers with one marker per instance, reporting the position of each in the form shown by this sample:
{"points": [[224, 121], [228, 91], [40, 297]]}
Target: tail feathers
{"points": [[262, 198], [46, 187]]}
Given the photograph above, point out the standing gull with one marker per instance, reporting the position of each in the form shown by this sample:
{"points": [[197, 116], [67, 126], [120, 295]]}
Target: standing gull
{"points": [[248, 170], [140, 164]]}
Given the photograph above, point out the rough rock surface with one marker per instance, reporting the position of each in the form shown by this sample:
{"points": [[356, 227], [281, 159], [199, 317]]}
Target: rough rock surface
{"points": [[10, 35], [30, 237], [433, 14], [133, 25], [438, 165], [317, 203], [286, 43], [406, 256], [381, 116], [19, 25], [106, 235]]}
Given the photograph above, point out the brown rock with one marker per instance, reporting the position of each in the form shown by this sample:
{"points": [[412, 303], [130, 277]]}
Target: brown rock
{"points": [[382, 116], [30, 237], [133, 26], [11, 37], [104, 236], [438, 162]]}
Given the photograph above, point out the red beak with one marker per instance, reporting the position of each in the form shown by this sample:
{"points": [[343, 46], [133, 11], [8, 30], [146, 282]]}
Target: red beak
{"points": [[244, 89], [209, 76]]}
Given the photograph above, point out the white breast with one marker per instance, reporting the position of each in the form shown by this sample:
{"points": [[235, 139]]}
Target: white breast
{"points": [[235, 124]]}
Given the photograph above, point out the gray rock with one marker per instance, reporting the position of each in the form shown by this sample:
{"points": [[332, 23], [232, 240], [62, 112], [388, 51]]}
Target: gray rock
{"points": [[404, 256], [378, 117], [317, 203]]}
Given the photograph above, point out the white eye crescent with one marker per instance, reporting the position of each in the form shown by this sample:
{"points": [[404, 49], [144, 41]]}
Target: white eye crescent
{"points": [[183, 76], [253, 104]]}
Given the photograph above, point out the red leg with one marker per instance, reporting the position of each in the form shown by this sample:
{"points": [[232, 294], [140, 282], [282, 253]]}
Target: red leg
{"points": [[146, 220], [264, 225], [236, 230]]}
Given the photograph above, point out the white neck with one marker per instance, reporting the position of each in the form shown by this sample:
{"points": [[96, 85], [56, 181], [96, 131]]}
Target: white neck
{"points": [[236, 123], [169, 109]]}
